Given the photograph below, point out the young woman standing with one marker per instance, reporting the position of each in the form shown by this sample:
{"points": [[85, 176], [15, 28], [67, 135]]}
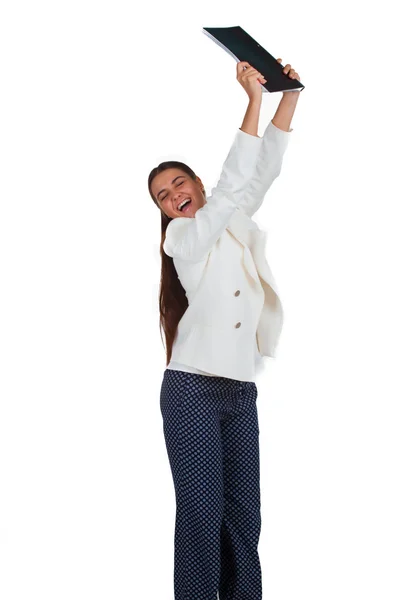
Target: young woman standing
{"points": [[221, 313]]}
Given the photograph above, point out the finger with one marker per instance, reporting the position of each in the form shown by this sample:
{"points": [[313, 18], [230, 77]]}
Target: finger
{"points": [[249, 71], [279, 59], [286, 68], [255, 77], [241, 65], [293, 73]]}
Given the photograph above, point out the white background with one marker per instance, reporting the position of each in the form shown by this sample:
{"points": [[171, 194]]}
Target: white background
{"points": [[93, 96]]}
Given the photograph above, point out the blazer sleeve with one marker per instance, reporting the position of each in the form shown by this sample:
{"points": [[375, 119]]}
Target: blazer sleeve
{"points": [[266, 167], [192, 238]]}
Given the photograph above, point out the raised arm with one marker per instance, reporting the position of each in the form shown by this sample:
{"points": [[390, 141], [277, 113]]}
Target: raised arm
{"points": [[191, 238], [266, 169], [269, 161], [250, 168]]}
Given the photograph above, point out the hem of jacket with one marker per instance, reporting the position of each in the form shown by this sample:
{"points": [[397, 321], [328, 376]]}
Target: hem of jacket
{"points": [[215, 350]]}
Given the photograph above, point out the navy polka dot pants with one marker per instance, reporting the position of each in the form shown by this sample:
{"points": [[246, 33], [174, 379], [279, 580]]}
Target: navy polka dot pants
{"points": [[212, 438]]}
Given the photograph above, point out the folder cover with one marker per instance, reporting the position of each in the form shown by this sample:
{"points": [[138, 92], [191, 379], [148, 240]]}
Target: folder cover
{"points": [[239, 44]]}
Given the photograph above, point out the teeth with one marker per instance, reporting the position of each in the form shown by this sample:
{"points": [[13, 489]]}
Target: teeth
{"points": [[180, 206]]}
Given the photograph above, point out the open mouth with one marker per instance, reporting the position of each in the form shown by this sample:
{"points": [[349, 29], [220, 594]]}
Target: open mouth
{"points": [[186, 206]]}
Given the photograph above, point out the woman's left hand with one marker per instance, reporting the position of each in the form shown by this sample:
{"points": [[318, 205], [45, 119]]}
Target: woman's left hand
{"points": [[287, 70]]}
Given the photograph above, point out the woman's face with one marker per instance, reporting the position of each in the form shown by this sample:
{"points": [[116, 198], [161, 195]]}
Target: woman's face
{"points": [[171, 187]]}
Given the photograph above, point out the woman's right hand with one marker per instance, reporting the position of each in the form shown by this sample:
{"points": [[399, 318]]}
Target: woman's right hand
{"points": [[250, 79]]}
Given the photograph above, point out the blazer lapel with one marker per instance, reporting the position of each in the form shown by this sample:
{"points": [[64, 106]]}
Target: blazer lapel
{"points": [[253, 241]]}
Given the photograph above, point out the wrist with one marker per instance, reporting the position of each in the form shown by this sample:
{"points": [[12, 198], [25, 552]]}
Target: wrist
{"points": [[255, 101], [290, 96]]}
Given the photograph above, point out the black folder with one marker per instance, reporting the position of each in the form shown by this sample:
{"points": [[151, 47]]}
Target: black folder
{"points": [[239, 44]]}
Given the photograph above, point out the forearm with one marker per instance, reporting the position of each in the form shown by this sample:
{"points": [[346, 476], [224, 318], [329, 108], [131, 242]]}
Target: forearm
{"points": [[251, 118], [267, 168], [285, 110]]}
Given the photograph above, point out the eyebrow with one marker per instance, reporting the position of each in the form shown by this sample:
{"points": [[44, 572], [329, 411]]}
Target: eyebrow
{"points": [[173, 181]]}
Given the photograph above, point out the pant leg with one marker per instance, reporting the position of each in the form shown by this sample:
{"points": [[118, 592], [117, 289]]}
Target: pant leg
{"points": [[193, 439], [241, 523]]}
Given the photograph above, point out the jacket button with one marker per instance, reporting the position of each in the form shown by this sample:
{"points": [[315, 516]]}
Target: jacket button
{"points": [[237, 292], [238, 325]]}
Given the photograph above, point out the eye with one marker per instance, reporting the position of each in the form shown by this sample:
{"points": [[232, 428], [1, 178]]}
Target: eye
{"points": [[163, 198]]}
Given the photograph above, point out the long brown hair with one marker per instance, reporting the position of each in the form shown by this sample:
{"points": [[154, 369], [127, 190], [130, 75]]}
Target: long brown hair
{"points": [[172, 298]]}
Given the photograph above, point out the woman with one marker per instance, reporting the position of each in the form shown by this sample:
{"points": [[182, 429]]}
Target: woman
{"points": [[221, 313]]}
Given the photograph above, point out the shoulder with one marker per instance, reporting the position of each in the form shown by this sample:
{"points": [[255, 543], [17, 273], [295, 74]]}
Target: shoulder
{"points": [[177, 222], [174, 229], [176, 225]]}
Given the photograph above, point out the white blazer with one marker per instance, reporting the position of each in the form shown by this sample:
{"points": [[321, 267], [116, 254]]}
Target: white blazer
{"points": [[219, 256]]}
